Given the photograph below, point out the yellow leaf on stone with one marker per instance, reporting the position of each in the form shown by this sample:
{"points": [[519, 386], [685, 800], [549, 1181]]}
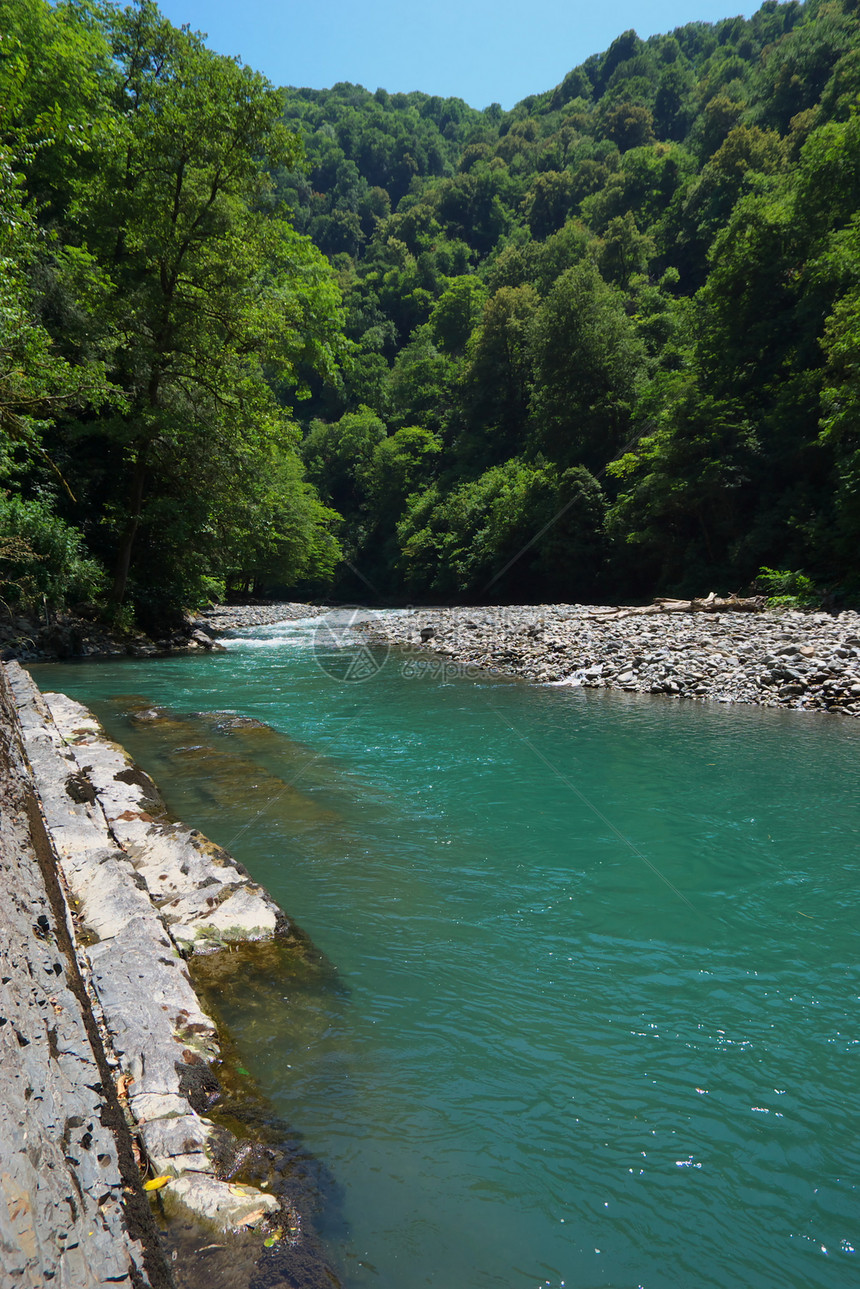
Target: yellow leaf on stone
{"points": [[156, 1183]]}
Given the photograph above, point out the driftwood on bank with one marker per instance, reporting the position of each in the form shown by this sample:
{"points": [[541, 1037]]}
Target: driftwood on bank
{"points": [[710, 604]]}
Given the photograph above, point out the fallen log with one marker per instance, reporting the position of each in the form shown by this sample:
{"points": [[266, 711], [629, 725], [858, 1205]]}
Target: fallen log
{"points": [[730, 604], [709, 604]]}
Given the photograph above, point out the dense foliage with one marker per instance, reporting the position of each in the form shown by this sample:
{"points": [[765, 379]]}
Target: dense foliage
{"points": [[155, 299], [605, 344], [630, 303]]}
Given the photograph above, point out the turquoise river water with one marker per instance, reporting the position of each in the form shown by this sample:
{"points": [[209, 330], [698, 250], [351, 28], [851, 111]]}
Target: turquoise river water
{"points": [[593, 1017]]}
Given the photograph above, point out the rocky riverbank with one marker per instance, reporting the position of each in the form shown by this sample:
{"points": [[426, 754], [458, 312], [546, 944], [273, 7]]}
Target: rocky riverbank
{"points": [[222, 619], [37, 638], [72, 1209], [45, 638], [136, 894], [774, 658]]}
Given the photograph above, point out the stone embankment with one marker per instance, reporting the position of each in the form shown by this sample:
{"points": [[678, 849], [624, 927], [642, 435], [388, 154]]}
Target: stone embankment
{"points": [[137, 894], [775, 658], [72, 1211]]}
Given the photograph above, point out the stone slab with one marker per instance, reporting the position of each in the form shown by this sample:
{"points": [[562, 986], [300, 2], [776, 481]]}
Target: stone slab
{"points": [[139, 886], [61, 1196]]}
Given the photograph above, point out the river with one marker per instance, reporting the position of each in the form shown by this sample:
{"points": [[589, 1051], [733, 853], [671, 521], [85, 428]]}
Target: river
{"points": [[593, 1017]]}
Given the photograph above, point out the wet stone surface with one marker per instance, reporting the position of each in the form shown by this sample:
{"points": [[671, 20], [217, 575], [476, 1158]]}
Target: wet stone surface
{"points": [[62, 1214], [143, 893], [202, 895]]}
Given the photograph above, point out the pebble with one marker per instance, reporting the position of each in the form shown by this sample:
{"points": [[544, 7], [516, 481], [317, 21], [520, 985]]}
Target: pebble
{"points": [[774, 658], [234, 617], [65, 635]]}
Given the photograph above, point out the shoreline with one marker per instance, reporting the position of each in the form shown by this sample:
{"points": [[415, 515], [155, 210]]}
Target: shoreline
{"points": [[788, 658], [798, 659], [137, 898], [67, 636], [72, 1203], [803, 660]]}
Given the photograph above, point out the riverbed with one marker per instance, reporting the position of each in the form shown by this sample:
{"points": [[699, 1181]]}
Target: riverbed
{"points": [[591, 1016]]}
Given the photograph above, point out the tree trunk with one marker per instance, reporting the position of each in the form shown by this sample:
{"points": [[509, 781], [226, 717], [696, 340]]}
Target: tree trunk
{"points": [[709, 604], [126, 541]]}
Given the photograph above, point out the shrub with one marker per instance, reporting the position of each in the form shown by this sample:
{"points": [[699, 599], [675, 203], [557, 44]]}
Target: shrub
{"points": [[42, 558], [786, 589]]}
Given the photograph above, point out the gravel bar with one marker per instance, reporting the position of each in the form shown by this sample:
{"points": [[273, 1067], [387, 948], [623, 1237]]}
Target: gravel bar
{"points": [[809, 661], [222, 618]]}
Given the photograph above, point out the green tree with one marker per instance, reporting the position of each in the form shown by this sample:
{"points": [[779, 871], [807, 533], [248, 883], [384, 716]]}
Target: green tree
{"points": [[399, 466], [684, 503], [56, 76], [496, 379], [54, 62], [275, 532], [456, 313], [42, 559], [549, 202], [840, 424], [588, 364], [624, 251], [517, 530], [338, 457], [421, 384], [36, 382], [209, 292], [629, 125], [746, 153]]}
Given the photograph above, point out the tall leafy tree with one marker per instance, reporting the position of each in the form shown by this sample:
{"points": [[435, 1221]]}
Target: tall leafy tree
{"points": [[209, 292], [52, 106], [36, 381], [496, 378], [841, 425], [588, 362]]}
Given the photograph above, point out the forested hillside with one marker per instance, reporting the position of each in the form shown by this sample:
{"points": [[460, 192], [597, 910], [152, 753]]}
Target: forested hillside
{"points": [[631, 303], [603, 345]]}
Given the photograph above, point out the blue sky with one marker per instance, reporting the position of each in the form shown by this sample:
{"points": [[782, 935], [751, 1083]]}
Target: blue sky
{"points": [[483, 51]]}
